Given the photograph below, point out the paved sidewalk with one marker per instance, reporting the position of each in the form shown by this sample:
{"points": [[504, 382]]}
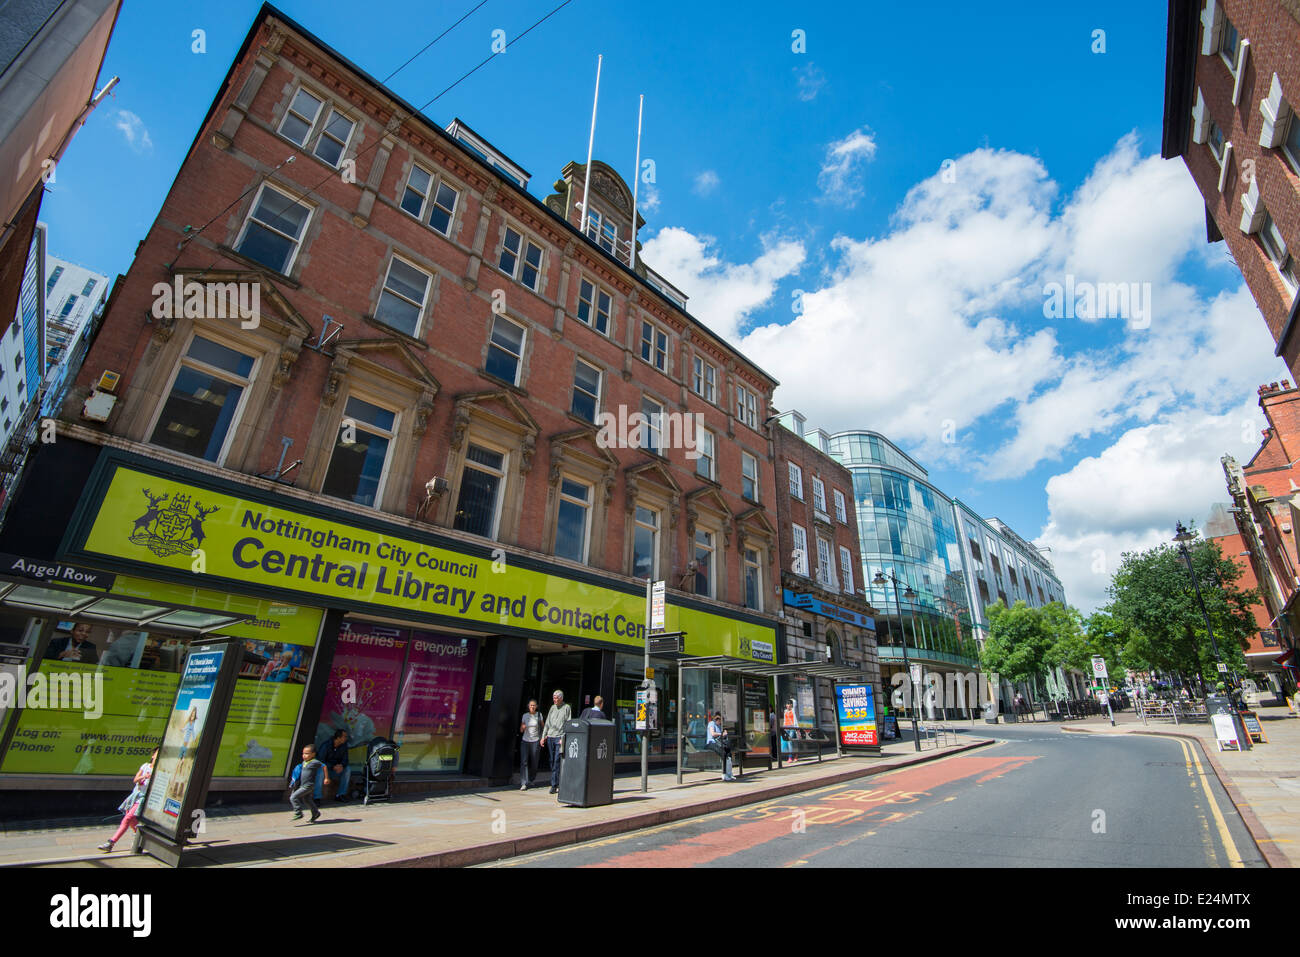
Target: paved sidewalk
{"points": [[1263, 782], [460, 829]]}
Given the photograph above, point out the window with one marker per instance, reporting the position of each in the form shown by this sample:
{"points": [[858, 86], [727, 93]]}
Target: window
{"points": [[653, 412], [746, 407], [201, 408], [356, 470], [300, 117], [1270, 238], [705, 375], [1214, 140], [420, 185], [704, 562], [840, 513], [53, 280], [68, 304], [654, 346], [1229, 40], [846, 568], [85, 290], [274, 229], [594, 306], [521, 259], [704, 444], [645, 544], [825, 566], [749, 476], [402, 302], [1291, 145], [478, 508], [753, 580], [4, 404], [573, 520], [604, 232], [586, 391], [333, 139], [819, 495], [505, 349], [800, 550], [796, 481]]}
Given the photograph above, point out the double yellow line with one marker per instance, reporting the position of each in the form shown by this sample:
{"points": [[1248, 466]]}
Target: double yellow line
{"points": [[1198, 773]]}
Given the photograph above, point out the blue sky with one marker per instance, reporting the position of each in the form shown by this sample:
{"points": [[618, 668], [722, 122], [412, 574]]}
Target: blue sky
{"points": [[823, 171]]}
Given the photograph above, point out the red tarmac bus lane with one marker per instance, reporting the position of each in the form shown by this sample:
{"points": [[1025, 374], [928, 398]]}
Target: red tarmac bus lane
{"points": [[882, 804]]}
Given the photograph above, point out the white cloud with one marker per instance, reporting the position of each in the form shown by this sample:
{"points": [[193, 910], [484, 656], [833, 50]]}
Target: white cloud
{"points": [[1128, 497], [648, 199], [838, 179], [810, 79], [706, 182], [722, 294], [133, 128]]}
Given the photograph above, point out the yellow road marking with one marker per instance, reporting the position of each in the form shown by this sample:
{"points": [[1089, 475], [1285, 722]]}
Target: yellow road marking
{"points": [[1234, 856]]}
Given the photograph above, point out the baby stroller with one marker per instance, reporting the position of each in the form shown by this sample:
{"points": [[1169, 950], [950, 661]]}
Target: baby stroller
{"points": [[381, 762]]}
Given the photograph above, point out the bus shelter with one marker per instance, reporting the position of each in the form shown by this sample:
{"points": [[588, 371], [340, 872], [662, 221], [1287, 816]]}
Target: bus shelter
{"points": [[742, 690]]}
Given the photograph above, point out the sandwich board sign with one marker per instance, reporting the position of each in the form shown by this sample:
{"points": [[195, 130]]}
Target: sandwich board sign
{"points": [[1225, 732]]}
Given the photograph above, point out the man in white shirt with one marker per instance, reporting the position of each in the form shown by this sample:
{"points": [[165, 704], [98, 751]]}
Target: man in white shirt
{"points": [[716, 740]]}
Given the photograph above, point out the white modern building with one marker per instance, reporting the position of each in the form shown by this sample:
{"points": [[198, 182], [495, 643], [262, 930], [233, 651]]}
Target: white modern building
{"points": [[74, 295]]}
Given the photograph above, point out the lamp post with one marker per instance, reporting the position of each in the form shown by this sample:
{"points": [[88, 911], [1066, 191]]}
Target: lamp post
{"points": [[1182, 536], [879, 582]]}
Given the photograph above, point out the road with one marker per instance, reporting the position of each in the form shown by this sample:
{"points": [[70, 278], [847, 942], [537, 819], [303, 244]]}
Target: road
{"points": [[1038, 797]]}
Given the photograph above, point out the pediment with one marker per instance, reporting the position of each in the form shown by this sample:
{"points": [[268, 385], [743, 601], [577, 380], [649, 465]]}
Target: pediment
{"points": [[273, 308], [654, 473], [583, 443], [396, 357], [500, 405]]}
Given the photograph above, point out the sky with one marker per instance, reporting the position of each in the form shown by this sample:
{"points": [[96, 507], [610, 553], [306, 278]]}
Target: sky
{"points": [[884, 207]]}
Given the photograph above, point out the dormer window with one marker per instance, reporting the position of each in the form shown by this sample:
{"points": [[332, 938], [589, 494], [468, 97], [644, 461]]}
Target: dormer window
{"points": [[603, 231]]}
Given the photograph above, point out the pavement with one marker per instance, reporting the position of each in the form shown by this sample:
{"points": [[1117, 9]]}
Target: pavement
{"points": [[456, 830], [1264, 782]]}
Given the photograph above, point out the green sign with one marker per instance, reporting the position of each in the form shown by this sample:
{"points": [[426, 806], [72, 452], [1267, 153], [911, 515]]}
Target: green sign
{"points": [[162, 522]]}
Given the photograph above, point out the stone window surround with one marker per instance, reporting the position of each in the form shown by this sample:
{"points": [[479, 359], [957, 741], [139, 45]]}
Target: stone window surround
{"points": [[597, 469]]}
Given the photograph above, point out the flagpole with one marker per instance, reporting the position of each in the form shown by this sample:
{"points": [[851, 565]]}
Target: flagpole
{"points": [[636, 177], [591, 142]]}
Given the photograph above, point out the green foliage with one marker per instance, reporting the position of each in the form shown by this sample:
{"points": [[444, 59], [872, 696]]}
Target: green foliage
{"points": [[1018, 642], [1155, 612]]}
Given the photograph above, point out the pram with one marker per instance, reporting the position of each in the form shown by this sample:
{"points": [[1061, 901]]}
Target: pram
{"points": [[381, 762]]}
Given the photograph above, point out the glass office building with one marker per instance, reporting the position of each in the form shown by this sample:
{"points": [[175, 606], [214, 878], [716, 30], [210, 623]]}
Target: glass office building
{"points": [[908, 529]]}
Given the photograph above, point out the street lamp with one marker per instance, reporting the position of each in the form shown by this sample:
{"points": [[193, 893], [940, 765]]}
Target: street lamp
{"points": [[1182, 536], [879, 582]]}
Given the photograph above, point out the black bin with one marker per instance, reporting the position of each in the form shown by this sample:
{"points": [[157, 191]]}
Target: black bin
{"points": [[587, 772]]}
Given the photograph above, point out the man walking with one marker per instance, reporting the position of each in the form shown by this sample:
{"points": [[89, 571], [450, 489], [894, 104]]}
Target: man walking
{"points": [[553, 735], [530, 726]]}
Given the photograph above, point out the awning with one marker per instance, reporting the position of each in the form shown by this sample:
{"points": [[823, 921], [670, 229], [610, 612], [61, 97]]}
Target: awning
{"points": [[53, 600], [762, 669]]}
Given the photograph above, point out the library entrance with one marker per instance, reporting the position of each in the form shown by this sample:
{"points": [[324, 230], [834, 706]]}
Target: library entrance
{"points": [[552, 666]]}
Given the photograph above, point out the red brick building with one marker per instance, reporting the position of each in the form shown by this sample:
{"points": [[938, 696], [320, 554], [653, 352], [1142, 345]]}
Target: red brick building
{"points": [[1232, 82], [358, 375], [827, 616], [1267, 517]]}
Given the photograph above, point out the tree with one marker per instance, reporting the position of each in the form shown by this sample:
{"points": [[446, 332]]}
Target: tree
{"points": [[1153, 599], [1018, 642]]}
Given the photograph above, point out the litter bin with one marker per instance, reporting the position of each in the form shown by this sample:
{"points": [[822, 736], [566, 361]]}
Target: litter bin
{"points": [[587, 773], [991, 712]]}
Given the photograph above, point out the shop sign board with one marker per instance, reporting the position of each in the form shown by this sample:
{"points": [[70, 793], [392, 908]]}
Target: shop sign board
{"points": [[246, 542]]}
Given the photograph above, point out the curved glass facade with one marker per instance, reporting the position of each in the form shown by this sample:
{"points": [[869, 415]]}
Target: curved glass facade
{"points": [[908, 528]]}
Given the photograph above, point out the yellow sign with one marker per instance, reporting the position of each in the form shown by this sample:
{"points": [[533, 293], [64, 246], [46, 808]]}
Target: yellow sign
{"points": [[649, 674], [221, 539]]}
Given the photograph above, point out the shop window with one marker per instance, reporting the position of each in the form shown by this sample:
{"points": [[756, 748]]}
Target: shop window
{"points": [[402, 302], [703, 557], [478, 508], [573, 523], [358, 465], [274, 230], [645, 544], [204, 400]]}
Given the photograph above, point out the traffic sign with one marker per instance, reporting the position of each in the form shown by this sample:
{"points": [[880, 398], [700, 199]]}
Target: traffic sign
{"points": [[657, 615], [1099, 667], [1223, 669], [669, 643]]}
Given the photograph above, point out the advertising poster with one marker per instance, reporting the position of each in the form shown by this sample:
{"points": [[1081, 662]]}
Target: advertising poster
{"points": [[856, 713], [433, 707], [361, 694], [185, 728], [755, 696]]}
